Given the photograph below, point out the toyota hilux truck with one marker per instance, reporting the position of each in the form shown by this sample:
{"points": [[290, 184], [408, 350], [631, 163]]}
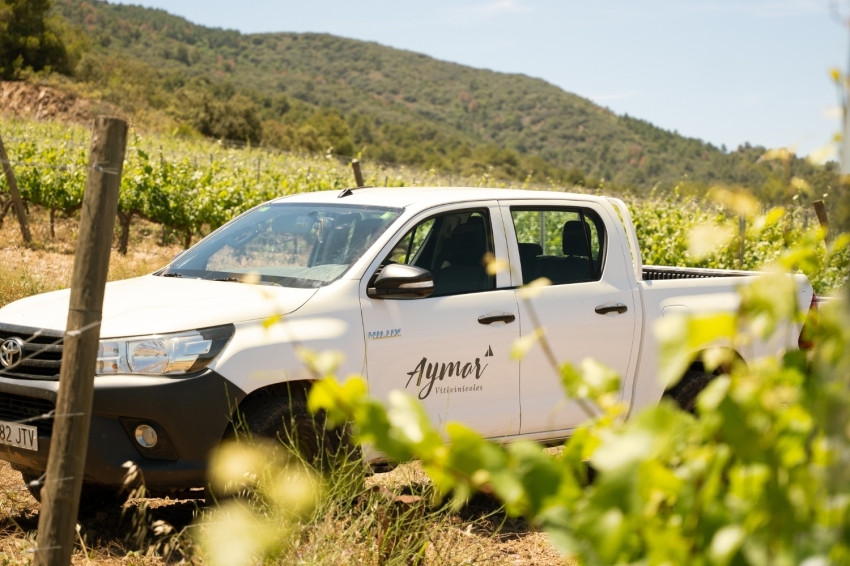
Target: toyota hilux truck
{"points": [[391, 278]]}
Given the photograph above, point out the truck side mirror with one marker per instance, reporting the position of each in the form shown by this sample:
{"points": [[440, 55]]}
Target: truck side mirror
{"points": [[400, 281]]}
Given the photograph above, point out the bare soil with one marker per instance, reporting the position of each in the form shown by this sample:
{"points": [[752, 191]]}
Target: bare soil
{"points": [[26, 100]]}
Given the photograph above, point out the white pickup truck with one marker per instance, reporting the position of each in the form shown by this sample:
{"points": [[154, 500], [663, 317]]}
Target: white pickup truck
{"points": [[391, 278]]}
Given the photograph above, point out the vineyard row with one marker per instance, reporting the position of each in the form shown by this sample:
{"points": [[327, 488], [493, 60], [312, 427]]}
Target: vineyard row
{"points": [[193, 186]]}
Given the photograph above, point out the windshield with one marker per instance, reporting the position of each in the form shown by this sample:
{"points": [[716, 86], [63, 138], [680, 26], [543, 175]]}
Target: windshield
{"points": [[292, 245]]}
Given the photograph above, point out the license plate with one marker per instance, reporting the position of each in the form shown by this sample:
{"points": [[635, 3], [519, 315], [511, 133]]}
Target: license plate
{"points": [[18, 435]]}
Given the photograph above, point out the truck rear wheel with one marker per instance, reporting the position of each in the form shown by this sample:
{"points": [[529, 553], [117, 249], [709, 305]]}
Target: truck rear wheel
{"points": [[685, 392]]}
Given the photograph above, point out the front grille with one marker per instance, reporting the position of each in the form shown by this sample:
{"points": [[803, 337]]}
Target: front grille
{"points": [[41, 355], [27, 410]]}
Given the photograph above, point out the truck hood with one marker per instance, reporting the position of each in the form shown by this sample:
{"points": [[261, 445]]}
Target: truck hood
{"points": [[155, 305]]}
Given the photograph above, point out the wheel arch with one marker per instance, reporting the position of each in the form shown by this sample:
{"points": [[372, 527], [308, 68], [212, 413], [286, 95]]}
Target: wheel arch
{"points": [[696, 378], [297, 389], [697, 364]]}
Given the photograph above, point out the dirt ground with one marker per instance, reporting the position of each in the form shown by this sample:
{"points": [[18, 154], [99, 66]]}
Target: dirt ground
{"points": [[25, 100], [105, 535], [109, 534]]}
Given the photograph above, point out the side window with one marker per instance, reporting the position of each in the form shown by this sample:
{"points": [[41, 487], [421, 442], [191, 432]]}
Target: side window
{"points": [[409, 247], [564, 245], [452, 247]]}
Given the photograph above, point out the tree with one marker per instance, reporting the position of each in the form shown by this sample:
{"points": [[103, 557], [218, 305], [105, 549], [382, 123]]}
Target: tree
{"points": [[28, 40], [232, 119]]}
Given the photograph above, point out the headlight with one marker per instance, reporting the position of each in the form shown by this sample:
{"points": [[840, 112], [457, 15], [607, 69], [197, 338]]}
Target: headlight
{"points": [[164, 354]]}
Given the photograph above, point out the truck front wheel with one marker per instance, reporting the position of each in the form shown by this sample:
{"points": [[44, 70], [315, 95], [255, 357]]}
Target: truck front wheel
{"points": [[92, 497], [287, 420], [685, 392]]}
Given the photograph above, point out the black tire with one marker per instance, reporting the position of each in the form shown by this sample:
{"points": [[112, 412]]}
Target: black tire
{"points": [[33, 483], [288, 423], [685, 392], [92, 497]]}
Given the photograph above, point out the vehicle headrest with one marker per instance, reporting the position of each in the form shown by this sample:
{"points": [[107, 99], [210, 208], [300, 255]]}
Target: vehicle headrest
{"points": [[293, 224], [468, 243], [575, 239], [345, 219], [365, 232], [529, 250]]}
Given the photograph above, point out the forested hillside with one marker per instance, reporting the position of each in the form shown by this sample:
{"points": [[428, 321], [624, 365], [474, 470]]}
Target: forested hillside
{"points": [[316, 91]]}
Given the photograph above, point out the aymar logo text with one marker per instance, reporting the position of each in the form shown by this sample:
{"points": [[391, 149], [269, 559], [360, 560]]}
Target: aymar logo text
{"points": [[437, 371]]}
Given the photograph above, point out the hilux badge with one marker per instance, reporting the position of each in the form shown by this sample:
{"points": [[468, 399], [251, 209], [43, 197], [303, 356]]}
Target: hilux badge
{"points": [[378, 334]]}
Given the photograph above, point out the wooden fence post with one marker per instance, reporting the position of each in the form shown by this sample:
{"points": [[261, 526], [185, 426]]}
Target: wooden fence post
{"points": [[358, 175], [16, 196], [820, 210], [60, 495], [742, 234]]}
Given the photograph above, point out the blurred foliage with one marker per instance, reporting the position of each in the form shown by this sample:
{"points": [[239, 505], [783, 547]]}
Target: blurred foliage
{"points": [[279, 510], [758, 475], [29, 39]]}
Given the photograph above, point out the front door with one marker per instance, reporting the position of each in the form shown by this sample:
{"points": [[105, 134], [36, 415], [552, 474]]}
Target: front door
{"points": [[450, 350], [588, 310]]}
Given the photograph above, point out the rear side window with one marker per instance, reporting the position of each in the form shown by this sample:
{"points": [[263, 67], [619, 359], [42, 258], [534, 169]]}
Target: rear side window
{"points": [[564, 245], [452, 247]]}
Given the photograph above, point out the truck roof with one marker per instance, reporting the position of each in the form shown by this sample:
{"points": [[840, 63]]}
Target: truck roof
{"points": [[403, 197]]}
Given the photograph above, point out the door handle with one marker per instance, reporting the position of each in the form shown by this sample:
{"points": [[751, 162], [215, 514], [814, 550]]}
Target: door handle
{"points": [[619, 308], [505, 317]]}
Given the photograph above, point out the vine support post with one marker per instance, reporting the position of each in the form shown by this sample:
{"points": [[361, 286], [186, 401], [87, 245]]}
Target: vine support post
{"points": [[742, 234], [125, 219], [820, 211], [15, 194], [358, 174], [60, 494]]}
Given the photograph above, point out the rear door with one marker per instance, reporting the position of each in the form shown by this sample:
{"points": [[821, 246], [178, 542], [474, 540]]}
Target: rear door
{"points": [[450, 350], [588, 311]]}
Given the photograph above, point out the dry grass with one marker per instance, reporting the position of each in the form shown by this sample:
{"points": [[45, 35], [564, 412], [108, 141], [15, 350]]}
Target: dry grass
{"points": [[339, 533], [476, 534], [47, 264]]}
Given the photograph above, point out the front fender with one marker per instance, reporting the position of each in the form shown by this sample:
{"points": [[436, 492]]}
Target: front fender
{"points": [[265, 352]]}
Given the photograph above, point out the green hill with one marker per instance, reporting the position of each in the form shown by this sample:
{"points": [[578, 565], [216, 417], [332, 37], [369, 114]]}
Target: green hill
{"points": [[314, 91]]}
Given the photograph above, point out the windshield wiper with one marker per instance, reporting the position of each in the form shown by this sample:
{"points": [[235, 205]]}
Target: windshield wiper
{"points": [[233, 279], [177, 274]]}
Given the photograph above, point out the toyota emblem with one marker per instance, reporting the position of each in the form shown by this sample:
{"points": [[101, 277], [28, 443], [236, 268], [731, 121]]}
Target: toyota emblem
{"points": [[11, 351]]}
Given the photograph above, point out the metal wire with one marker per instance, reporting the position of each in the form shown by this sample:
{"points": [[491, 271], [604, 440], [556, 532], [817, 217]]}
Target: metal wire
{"points": [[96, 167]]}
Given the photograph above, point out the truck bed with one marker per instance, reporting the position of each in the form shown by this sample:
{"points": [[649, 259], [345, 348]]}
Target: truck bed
{"points": [[661, 272]]}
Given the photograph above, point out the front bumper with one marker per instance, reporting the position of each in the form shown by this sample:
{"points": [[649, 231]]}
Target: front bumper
{"points": [[190, 413]]}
